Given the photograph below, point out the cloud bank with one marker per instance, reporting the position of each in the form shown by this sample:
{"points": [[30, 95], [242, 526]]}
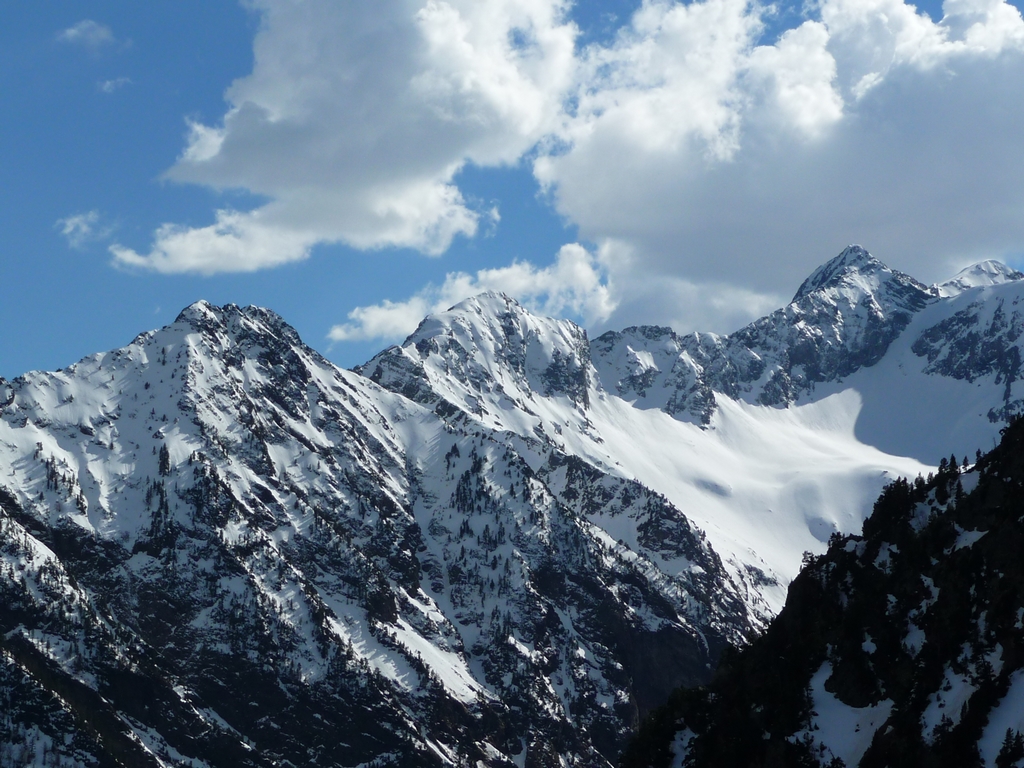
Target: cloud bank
{"points": [[870, 123], [711, 168]]}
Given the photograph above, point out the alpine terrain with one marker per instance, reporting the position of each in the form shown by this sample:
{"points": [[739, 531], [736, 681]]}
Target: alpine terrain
{"points": [[500, 543], [901, 646]]}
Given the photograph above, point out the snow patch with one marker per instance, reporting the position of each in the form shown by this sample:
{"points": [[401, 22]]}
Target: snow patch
{"points": [[844, 731]]}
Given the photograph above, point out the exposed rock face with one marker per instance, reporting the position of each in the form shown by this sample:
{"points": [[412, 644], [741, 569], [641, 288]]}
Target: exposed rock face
{"points": [[843, 318], [981, 340]]}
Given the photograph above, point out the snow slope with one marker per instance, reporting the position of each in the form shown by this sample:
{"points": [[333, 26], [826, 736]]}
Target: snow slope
{"points": [[900, 646], [768, 440], [947, 383]]}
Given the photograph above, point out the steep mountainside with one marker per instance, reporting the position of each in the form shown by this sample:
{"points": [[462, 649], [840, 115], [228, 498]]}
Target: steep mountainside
{"points": [[845, 369], [499, 543], [904, 646], [218, 546]]}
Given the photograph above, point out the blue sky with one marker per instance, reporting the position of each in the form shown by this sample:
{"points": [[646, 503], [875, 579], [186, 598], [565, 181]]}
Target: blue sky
{"points": [[72, 148], [614, 162]]}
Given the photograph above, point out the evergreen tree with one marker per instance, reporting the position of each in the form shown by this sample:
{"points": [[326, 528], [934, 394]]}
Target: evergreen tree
{"points": [[165, 461], [1012, 749]]}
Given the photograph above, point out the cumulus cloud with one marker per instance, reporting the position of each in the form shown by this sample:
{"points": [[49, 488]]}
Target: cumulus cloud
{"points": [[237, 242], [356, 119], [711, 167], [724, 161], [87, 32], [576, 283], [638, 297]]}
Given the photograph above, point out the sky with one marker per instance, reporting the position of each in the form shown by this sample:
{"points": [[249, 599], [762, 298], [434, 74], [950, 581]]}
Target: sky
{"points": [[354, 166]]}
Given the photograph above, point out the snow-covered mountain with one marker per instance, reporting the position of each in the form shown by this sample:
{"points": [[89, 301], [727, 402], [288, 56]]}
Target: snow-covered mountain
{"points": [[500, 542], [842, 318], [273, 552]]}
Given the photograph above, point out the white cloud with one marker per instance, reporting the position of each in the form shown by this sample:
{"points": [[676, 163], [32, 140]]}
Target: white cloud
{"points": [[575, 284], [237, 242], [726, 166], [109, 86], [725, 162], [668, 80], [640, 296], [685, 305], [357, 117], [82, 228], [88, 33], [797, 74]]}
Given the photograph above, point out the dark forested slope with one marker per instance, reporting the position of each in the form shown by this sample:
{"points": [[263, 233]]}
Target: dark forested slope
{"points": [[901, 647]]}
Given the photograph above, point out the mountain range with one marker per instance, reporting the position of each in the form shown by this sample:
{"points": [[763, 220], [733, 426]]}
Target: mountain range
{"points": [[500, 543]]}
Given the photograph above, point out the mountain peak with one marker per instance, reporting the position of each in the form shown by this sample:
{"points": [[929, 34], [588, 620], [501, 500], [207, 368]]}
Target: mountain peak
{"points": [[489, 295], [984, 273], [487, 303], [485, 351], [203, 313], [853, 260], [239, 323], [200, 308], [490, 318]]}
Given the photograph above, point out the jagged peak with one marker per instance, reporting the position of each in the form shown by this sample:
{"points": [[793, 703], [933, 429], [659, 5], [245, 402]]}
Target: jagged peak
{"points": [[204, 312], [649, 331], [485, 297], [198, 309], [853, 260], [232, 319], [984, 273], [486, 315], [489, 337]]}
